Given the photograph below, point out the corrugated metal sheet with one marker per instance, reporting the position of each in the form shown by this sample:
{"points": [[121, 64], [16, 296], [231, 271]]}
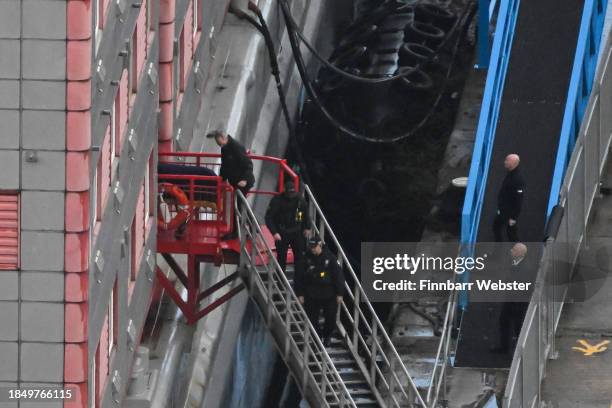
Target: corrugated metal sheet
{"points": [[9, 231]]}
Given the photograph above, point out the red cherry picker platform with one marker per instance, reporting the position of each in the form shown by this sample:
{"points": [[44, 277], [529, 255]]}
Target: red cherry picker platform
{"points": [[196, 217]]}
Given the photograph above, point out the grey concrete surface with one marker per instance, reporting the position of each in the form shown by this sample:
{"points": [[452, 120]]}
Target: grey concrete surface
{"points": [[9, 285], [9, 360], [574, 379], [42, 210], [43, 130], [9, 63], [10, 21], [48, 172], [41, 286], [9, 94], [42, 362], [48, 95], [42, 321], [42, 251], [45, 19], [9, 176], [44, 59], [10, 129], [9, 321]]}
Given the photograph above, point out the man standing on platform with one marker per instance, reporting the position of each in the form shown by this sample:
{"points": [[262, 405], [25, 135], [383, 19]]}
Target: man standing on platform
{"points": [[236, 167], [509, 200], [513, 313]]}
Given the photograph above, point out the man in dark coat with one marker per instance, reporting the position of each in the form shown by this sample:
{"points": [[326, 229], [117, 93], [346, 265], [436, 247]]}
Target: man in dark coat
{"points": [[509, 200], [513, 313], [236, 165], [288, 220], [320, 287]]}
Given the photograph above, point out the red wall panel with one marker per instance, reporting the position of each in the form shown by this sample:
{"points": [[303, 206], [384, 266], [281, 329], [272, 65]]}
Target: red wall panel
{"points": [[9, 231]]}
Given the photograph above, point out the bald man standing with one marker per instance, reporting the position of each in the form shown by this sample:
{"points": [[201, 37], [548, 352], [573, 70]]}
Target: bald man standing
{"points": [[513, 312], [509, 200]]}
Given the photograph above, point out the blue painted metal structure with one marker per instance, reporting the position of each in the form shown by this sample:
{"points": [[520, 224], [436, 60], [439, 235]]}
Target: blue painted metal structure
{"points": [[484, 36], [485, 134], [487, 122], [581, 83]]}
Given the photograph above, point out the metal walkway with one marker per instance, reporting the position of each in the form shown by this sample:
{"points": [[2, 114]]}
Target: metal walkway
{"points": [[530, 119], [362, 368]]}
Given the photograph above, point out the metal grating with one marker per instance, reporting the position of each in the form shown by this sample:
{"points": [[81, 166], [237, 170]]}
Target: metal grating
{"points": [[9, 231]]}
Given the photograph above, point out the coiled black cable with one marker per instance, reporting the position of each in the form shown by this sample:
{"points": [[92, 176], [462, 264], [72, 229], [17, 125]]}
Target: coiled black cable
{"points": [[290, 21], [463, 22]]}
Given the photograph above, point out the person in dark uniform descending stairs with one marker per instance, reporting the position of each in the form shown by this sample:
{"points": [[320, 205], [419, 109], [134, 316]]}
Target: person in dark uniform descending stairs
{"points": [[320, 287], [288, 220], [509, 200]]}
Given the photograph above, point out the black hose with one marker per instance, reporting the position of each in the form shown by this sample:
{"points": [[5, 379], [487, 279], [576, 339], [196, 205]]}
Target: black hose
{"points": [[463, 22], [262, 27], [290, 21]]}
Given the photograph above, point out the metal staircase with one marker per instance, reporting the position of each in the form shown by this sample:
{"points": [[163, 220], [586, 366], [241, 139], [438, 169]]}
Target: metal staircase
{"points": [[362, 368]]}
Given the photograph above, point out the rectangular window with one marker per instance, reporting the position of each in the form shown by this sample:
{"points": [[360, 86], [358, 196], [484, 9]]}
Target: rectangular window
{"points": [[9, 231]]}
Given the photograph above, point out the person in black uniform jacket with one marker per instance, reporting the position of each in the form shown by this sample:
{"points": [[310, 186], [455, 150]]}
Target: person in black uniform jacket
{"points": [[509, 200], [236, 165], [320, 286], [513, 313], [288, 220]]}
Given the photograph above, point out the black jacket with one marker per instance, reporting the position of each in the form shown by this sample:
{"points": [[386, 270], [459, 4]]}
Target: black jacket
{"points": [[322, 278], [510, 197], [236, 165], [287, 214]]}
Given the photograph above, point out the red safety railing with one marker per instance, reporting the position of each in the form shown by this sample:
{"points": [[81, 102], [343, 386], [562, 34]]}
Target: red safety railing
{"points": [[206, 200], [213, 161]]}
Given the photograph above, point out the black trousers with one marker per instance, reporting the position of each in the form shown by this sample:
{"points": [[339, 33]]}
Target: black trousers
{"points": [[313, 308], [511, 231], [510, 322], [296, 241]]}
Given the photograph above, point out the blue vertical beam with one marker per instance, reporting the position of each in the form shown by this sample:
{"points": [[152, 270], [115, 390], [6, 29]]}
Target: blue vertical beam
{"points": [[484, 42]]}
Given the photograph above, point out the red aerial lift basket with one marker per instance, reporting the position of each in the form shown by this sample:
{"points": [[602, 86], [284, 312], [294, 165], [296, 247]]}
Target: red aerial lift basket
{"points": [[195, 213]]}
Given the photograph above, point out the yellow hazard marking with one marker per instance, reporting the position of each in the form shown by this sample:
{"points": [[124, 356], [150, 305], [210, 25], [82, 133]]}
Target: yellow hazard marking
{"points": [[589, 349]]}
